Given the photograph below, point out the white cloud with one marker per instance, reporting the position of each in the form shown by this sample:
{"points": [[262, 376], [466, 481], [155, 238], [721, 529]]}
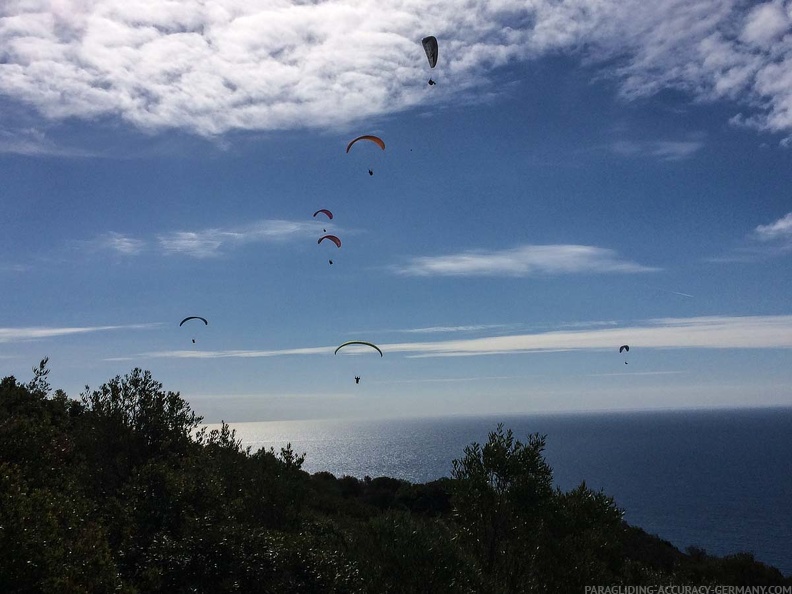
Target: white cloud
{"points": [[128, 246], [33, 142], [526, 260], [212, 242], [666, 150], [14, 268], [233, 354], [38, 332], [710, 332], [765, 24], [778, 230], [448, 329], [205, 243], [211, 67], [765, 241]]}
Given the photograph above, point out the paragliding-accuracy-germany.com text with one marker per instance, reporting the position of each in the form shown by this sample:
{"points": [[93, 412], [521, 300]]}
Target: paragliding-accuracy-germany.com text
{"points": [[677, 589]]}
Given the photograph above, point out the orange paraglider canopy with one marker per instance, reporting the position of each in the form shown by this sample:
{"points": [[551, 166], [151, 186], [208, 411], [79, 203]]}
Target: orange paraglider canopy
{"points": [[375, 139]]}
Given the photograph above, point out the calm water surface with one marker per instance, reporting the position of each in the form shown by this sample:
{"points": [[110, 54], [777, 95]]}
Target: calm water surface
{"points": [[720, 480]]}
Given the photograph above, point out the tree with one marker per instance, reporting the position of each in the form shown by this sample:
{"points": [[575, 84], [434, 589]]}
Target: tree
{"points": [[163, 420], [129, 421], [502, 497]]}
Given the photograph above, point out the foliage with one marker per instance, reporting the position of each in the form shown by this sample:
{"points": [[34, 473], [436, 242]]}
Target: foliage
{"points": [[124, 491]]}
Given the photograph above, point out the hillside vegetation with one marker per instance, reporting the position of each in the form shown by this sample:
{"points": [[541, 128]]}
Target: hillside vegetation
{"points": [[120, 490]]}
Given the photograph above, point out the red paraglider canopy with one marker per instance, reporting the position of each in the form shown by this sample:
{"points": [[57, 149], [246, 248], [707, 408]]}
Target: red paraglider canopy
{"points": [[324, 211], [332, 238]]}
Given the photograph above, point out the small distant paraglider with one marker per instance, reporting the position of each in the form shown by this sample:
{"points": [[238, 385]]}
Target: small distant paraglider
{"points": [[624, 349], [430, 47], [193, 318], [332, 238], [325, 212]]}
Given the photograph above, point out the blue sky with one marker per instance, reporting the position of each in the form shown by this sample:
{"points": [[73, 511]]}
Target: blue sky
{"points": [[585, 174]]}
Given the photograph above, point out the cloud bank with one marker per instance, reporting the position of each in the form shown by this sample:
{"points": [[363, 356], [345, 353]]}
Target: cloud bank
{"points": [[212, 67], [710, 332]]}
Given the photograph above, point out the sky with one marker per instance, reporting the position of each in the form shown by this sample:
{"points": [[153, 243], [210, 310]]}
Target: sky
{"points": [[585, 174]]}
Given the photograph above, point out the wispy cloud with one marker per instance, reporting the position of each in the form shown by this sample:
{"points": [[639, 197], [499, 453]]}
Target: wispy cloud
{"points": [[39, 332], [204, 243], [443, 380], [34, 142], [123, 244], [634, 373], [764, 241], [451, 329], [666, 333], [665, 150], [13, 267], [527, 260], [213, 67], [711, 332], [212, 242], [232, 354]]}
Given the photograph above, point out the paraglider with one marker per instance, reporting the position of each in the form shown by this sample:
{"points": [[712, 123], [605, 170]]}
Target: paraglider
{"points": [[375, 139], [332, 238], [624, 348], [430, 47], [193, 318], [324, 211], [360, 342]]}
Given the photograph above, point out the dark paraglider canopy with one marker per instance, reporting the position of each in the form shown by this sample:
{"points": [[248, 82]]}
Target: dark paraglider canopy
{"points": [[193, 318], [430, 47], [360, 342], [332, 238], [324, 211], [623, 348]]}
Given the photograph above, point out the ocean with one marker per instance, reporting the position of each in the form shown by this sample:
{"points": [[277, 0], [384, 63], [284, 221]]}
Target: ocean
{"points": [[720, 480]]}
